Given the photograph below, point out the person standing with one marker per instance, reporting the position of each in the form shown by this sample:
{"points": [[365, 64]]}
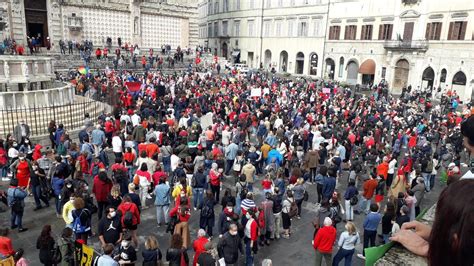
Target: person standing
{"points": [[250, 238], [369, 190], [110, 228], [198, 245], [152, 254], [207, 216], [81, 220], [6, 247], [106, 259], [351, 192], [230, 154], [38, 177], [323, 242], [347, 242], [215, 181], [101, 189], [198, 183], [162, 202], [177, 252], [45, 244], [229, 246], [66, 246], [21, 131], [371, 223], [22, 170], [130, 216], [16, 200]]}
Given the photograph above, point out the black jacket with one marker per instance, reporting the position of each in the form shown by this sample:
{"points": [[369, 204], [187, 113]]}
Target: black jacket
{"points": [[173, 256], [45, 248], [228, 248]]}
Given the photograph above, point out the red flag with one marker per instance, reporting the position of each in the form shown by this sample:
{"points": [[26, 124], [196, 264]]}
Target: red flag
{"points": [[133, 86]]}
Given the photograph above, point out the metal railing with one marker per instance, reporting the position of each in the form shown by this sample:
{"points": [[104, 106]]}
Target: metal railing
{"points": [[406, 45], [38, 117]]}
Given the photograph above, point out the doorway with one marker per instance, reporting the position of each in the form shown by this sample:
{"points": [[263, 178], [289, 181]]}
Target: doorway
{"points": [[283, 61], [400, 80], [224, 50], [352, 72], [299, 63], [250, 59], [408, 31], [428, 78], [330, 67], [36, 15]]}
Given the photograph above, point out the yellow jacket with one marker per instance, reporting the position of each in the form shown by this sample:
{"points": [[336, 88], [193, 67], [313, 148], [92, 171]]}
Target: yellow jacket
{"points": [[67, 212], [177, 190]]}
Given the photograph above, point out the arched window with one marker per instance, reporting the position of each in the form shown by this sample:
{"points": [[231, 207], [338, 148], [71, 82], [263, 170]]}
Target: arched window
{"points": [[313, 64]]}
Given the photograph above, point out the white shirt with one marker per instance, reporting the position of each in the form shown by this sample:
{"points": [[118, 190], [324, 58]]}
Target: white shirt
{"points": [[174, 161], [226, 135], [391, 166], [13, 153], [116, 144], [135, 120], [183, 122]]}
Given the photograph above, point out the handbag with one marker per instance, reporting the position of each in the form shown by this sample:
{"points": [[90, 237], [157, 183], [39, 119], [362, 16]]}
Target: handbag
{"points": [[305, 196], [56, 255]]}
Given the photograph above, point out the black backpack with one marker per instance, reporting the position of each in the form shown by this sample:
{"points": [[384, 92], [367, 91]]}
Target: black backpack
{"points": [[243, 191], [128, 218]]}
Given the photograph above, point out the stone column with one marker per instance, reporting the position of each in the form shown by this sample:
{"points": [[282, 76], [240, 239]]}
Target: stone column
{"points": [[6, 69]]}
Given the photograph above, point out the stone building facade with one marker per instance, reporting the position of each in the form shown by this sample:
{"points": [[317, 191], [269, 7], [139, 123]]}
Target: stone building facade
{"points": [[148, 23], [417, 42]]}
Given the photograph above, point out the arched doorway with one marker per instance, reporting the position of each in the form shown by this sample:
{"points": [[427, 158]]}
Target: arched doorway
{"points": [[459, 82], [299, 63], [224, 50], [352, 72], [400, 79], [330, 67], [442, 78], [268, 59], [428, 78], [36, 15], [367, 69], [283, 61], [313, 64]]}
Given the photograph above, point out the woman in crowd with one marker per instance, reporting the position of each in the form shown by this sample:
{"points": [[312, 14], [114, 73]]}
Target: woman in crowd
{"points": [[347, 243], [285, 217], [182, 214], [177, 252], [81, 217], [66, 246], [207, 216], [45, 244], [152, 254]]}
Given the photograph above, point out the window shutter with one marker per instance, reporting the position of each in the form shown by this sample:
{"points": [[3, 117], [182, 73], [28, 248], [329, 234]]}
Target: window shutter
{"points": [[390, 29], [438, 31], [345, 32], [450, 31], [362, 32], [381, 32], [463, 30], [427, 33]]}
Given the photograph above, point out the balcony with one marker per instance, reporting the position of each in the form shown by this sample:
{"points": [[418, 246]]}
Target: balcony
{"points": [[421, 45]]}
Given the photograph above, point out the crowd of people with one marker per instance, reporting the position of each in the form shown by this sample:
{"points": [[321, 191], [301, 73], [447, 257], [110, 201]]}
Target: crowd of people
{"points": [[244, 163]]}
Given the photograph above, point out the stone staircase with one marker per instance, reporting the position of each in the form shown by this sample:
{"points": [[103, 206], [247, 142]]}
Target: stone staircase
{"points": [[71, 116]]}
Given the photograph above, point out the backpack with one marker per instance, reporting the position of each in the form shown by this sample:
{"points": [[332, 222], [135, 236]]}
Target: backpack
{"points": [[429, 166], [128, 218], [15, 204], [56, 255], [206, 211], [61, 150], [77, 225], [293, 210], [243, 191], [354, 200]]}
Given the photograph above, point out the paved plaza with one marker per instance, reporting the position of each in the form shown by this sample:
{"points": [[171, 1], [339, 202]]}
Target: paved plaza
{"points": [[294, 251]]}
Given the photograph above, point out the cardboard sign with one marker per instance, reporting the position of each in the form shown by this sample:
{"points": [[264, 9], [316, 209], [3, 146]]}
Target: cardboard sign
{"points": [[256, 92]]}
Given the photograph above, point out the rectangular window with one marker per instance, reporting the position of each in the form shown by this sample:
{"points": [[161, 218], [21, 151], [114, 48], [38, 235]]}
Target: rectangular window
{"points": [[384, 72], [316, 27], [278, 28], [226, 6], [250, 28], [385, 31], [236, 28], [457, 30], [216, 29], [269, 3], [334, 32], [237, 4], [302, 29], [216, 7], [350, 33], [224, 28], [290, 28], [433, 31], [209, 30], [366, 33], [209, 7], [266, 28], [252, 4]]}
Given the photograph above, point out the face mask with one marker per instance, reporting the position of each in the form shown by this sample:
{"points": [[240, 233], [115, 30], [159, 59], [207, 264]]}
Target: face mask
{"points": [[69, 186], [229, 209], [125, 243], [27, 141], [34, 167], [233, 233], [183, 195], [248, 216], [112, 214], [86, 187], [15, 145]]}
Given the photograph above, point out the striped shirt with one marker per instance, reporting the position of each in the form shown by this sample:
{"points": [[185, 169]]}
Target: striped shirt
{"points": [[247, 204]]}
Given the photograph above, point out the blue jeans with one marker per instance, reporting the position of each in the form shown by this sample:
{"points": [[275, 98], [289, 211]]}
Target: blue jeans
{"points": [[130, 173], [58, 204], [250, 187], [432, 181], [198, 197], [343, 254], [238, 202], [426, 178], [16, 219], [228, 166], [248, 253], [364, 204], [37, 195], [3, 171], [167, 164], [386, 238]]}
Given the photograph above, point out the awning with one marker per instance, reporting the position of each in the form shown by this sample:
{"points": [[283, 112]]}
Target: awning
{"points": [[368, 67], [235, 53]]}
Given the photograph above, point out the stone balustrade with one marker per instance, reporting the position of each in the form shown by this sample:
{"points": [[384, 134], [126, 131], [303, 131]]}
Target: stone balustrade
{"points": [[27, 99], [25, 72]]}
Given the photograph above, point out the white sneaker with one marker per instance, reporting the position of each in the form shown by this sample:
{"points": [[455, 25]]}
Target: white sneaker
{"points": [[361, 256]]}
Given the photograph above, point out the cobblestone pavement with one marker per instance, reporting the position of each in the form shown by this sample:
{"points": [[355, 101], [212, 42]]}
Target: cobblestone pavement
{"points": [[294, 251]]}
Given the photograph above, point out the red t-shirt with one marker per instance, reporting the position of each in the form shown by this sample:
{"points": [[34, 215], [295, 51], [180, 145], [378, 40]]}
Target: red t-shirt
{"points": [[266, 184]]}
